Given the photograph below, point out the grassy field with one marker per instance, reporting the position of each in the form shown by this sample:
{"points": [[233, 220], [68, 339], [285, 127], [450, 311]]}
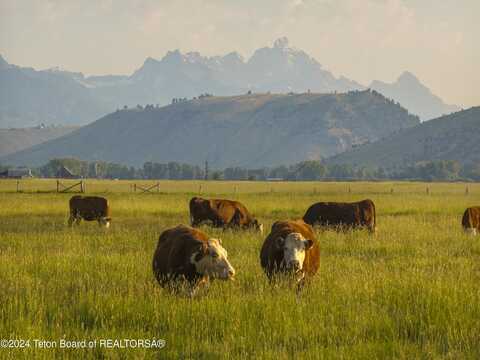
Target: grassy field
{"points": [[411, 291]]}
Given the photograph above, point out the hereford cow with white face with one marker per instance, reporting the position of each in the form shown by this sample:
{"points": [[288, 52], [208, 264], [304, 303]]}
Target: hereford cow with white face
{"points": [[292, 249], [188, 254]]}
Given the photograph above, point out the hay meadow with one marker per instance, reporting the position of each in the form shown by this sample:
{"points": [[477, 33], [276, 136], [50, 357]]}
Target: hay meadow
{"points": [[412, 291]]}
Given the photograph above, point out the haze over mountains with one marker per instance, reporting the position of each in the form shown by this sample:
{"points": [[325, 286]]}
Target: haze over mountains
{"points": [[415, 96], [248, 131], [452, 137], [29, 97]]}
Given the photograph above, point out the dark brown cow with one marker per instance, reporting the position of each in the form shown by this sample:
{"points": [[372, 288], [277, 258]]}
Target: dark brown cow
{"points": [[291, 248], [185, 253], [471, 220], [336, 214], [222, 213], [89, 208]]}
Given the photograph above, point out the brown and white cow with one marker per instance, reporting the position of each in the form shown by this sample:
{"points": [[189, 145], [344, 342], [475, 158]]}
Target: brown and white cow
{"points": [[89, 208], [471, 220], [337, 214], [291, 248], [222, 213], [188, 254]]}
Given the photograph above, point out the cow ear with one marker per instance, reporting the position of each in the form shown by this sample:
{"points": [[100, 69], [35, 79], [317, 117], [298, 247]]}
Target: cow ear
{"points": [[279, 242], [308, 244]]}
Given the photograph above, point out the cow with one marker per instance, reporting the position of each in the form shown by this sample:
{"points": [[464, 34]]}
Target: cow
{"points": [[336, 214], [187, 254], [471, 220], [222, 213], [291, 249], [89, 208]]}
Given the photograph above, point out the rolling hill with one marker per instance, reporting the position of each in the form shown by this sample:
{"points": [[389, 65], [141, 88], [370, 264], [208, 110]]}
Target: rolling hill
{"points": [[14, 140], [249, 130], [452, 137]]}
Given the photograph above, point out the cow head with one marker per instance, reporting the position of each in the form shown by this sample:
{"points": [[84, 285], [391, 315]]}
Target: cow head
{"points": [[105, 221], [257, 226], [294, 247], [212, 261]]}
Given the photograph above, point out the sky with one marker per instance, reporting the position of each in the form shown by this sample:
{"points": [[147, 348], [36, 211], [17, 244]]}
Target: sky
{"points": [[363, 40]]}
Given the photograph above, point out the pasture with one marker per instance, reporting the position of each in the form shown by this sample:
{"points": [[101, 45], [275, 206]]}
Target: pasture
{"points": [[410, 291]]}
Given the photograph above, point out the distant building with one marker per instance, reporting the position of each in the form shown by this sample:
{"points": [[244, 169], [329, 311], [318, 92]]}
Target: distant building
{"points": [[16, 173], [65, 173]]}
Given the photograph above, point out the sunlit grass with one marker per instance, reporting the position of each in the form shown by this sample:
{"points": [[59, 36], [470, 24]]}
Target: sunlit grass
{"points": [[411, 291]]}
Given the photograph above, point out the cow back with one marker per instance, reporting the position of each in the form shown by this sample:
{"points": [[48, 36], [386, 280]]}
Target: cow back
{"points": [[89, 207]]}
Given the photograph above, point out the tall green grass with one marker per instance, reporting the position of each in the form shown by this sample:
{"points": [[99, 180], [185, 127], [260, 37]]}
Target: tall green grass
{"points": [[411, 291]]}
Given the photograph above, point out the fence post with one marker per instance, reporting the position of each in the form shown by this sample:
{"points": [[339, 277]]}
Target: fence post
{"points": [[82, 187], [58, 185], [428, 190], [134, 187], [18, 185], [466, 190], [158, 187], [391, 190]]}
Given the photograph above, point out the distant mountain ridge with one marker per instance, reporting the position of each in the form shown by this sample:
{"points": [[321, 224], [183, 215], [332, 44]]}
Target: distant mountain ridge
{"points": [[451, 137], [414, 96], [248, 131], [55, 96]]}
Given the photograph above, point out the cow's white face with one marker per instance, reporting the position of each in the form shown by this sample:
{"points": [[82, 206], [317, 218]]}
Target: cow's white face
{"points": [[215, 262], [294, 247], [471, 231], [105, 222]]}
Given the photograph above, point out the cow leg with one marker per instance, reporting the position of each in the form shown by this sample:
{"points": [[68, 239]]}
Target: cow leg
{"points": [[300, 286], [196, 286], [471, 231], [78, 219], [71, 219]]}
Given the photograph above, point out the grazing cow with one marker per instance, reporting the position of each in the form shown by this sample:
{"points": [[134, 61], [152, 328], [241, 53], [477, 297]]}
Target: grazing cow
{"points": [[471, 220], [222, 213], [356, 214], [291, 248], [185, 253], [89, 208]]}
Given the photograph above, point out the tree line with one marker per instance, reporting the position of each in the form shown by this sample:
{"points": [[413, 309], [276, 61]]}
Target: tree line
{"points": [[311, 170]]}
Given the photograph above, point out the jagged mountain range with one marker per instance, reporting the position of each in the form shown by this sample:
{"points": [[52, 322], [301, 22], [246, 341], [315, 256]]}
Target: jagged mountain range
{"points": [[29, 97], [248, 131]]}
